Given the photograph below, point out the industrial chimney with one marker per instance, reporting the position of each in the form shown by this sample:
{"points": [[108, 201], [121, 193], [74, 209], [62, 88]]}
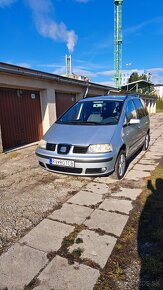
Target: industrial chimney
{"points": [[68, 65]]}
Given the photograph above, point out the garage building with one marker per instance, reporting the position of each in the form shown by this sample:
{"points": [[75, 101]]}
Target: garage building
{"points": [[31, 101]]}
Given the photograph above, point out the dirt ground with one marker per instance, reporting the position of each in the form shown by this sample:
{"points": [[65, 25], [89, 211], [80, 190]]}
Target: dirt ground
{"points": [[28, 193]]}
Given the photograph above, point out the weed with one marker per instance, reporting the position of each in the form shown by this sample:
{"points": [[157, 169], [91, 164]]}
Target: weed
{"points": [[77, 252], [117, 272], [79, 240], [68, 242]]}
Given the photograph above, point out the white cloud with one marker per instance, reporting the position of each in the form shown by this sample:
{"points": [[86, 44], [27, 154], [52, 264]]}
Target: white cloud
{"points": [[135, 28], [24, 64], [48, 27], [4, 3], [60, 71], [156, 75], [77, 70], [110, 84], [156, 70], [106, 73], [83, 72]]}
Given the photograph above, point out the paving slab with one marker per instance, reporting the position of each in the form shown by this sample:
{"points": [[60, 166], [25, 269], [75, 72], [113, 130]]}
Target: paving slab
{"points": [[136, 174], [95, 247], [71, 213], [156, 149], [106, 180], [145, 167], [59, 275], [119, 205], [19, 265], [98, 188], [109, 222], [147, 161], [153, 155], [47, 236], [86, 198], [131, 193]]}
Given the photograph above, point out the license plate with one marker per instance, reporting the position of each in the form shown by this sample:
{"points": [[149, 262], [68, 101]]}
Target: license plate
{"points": [[61, 162]]}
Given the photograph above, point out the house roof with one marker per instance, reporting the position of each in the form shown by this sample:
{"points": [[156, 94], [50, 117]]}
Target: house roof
{"points": [[158, 85], [139, 83], [18, 70]]}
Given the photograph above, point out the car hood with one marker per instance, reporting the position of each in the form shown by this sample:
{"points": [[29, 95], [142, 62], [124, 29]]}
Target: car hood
{"points": [[80, 134]]}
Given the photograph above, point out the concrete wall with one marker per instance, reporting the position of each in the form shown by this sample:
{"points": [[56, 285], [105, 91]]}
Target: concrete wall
{"points": [[150, 103], [159, 91], [47, 89], [48, 108]]}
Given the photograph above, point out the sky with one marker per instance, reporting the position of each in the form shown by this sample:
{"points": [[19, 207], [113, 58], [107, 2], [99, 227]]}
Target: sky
{"points": [[39, 33]]}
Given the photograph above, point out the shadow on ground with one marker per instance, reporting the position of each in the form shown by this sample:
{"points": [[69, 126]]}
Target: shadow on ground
{"points": [[150, 238]]}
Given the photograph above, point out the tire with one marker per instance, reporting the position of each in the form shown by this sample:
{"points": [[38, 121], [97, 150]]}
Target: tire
{"points": [[120, 166], [146, 142]]}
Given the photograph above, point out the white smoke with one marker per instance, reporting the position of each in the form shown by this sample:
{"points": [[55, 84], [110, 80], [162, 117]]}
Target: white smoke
{"points": [[47, 27]]}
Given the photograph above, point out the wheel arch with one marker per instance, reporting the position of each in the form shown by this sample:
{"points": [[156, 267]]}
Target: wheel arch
{"points": [[123, 147]]}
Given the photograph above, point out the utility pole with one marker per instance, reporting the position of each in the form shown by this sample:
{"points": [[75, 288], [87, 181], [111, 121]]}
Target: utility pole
{"points": [[118, 43]]}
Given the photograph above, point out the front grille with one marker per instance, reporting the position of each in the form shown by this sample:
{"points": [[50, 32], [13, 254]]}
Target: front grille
{"points": [[80, 149], [50, 146], [64, 169], [63, 148]]}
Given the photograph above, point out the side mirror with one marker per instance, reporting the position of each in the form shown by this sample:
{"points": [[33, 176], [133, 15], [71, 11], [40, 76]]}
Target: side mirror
{"points": [[134, 121]]}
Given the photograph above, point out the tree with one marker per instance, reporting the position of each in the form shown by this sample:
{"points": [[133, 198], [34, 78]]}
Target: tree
{"points": [[136, 77]]}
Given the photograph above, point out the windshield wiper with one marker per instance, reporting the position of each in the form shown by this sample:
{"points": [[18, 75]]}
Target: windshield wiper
{"points": [[82, 122], [109, 123]]}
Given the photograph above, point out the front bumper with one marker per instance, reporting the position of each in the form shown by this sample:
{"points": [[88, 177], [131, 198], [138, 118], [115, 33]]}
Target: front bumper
{"points": [[84, 165]]}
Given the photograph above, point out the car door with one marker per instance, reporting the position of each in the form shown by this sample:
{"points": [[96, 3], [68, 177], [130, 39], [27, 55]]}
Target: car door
{"points": [[143, 117], [131, 132]]}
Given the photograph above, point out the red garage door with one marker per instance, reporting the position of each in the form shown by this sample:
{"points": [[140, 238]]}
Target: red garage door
{"points": [[20, 117], [63, 102]]}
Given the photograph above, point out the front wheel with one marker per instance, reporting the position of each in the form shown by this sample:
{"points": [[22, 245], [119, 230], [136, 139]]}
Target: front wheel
{"points": [[120, 166], [146, 142]]}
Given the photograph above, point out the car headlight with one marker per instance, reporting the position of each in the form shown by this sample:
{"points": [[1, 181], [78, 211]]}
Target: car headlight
{"points": [[100, 148], [42, 144]]}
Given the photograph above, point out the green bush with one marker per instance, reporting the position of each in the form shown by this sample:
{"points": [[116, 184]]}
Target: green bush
{"points": [[159, 105]]}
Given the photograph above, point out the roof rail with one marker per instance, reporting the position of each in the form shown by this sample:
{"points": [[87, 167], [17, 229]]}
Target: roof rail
{"points": [[133, 95]]}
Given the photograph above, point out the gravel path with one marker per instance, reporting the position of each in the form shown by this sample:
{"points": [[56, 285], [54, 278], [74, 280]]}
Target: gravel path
{"points": [[28, 193]]}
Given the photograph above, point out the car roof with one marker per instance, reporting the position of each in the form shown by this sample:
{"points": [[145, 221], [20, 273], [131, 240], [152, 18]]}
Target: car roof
{"points": [[107, 98]]}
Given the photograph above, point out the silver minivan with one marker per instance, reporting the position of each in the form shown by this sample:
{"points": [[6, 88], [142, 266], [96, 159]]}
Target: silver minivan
{"points": [[96, 136]]}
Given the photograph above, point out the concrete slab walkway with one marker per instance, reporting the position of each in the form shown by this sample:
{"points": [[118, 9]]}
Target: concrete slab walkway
{"points": [[68, 249]]}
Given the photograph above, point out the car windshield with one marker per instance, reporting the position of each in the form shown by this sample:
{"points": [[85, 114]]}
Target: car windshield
{"points": [[105, 112]]}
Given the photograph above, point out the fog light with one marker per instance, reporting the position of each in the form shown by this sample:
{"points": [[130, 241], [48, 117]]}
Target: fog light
{"points": [[103, 169]]}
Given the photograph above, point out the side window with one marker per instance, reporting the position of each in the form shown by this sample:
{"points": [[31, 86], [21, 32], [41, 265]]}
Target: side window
{"points": [[139, 108], [145, 107], [130, 111]]}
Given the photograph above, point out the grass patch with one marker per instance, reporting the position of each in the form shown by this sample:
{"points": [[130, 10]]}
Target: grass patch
{"points": [[159, 105], [137, 259]]}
